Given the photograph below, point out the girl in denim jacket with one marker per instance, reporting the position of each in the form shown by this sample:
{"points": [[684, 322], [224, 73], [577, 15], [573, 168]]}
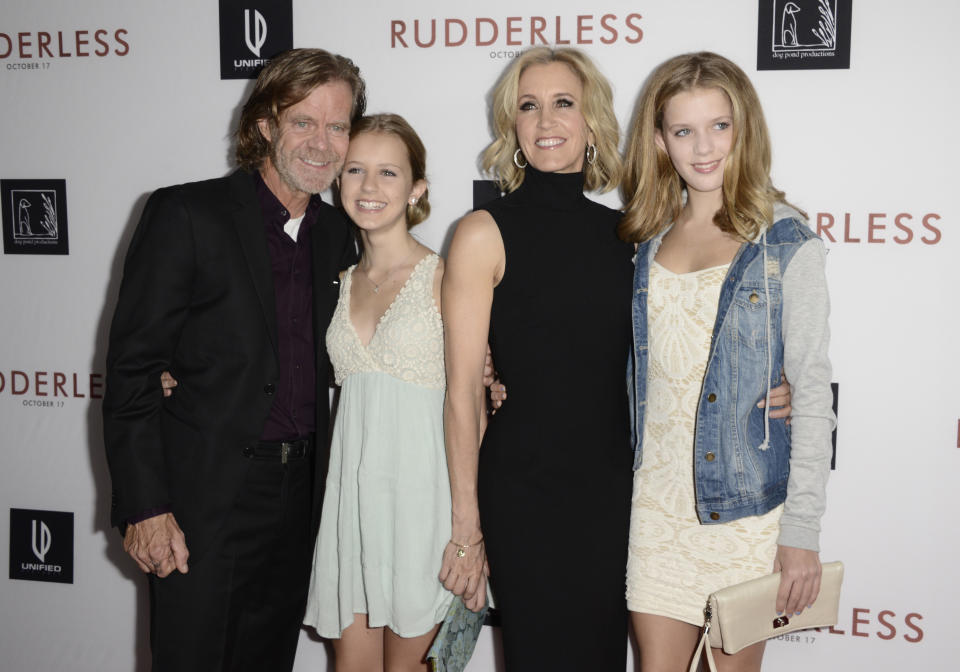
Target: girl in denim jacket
{"points": [[729, 291]]}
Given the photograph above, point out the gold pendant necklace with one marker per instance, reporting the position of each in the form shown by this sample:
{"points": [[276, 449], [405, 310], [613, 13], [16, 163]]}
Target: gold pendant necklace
{"points": [[383, 283]]}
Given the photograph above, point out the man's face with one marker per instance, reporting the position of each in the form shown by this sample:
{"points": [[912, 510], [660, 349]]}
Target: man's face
{"points": [[311, 139]]}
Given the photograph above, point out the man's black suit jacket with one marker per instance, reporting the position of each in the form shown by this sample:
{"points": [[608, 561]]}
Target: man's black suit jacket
{"points": [[197, 299]]}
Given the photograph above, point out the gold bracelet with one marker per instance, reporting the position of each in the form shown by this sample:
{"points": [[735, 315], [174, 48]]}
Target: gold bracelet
{"points": [[462, 548]]}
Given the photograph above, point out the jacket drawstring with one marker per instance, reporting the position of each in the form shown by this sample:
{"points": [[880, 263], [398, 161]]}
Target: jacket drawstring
{"points": [[766, 290]]}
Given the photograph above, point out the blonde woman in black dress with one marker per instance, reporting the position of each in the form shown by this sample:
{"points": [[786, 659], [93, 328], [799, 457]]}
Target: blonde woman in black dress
{"points": [[542, 274]]}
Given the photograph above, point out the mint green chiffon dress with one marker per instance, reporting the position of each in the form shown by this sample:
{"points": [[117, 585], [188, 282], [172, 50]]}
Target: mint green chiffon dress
{"points": [[386, 510]]}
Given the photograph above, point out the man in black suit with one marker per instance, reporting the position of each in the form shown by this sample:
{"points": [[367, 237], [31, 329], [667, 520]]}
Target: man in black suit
{"points": [[230, 284]]}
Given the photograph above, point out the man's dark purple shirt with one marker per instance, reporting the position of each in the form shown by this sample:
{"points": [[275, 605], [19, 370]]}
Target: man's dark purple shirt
{"points": [[293, 414]]}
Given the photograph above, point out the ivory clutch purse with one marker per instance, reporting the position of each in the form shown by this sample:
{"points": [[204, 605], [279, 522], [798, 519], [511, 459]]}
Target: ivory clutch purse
{"points": [[744, 614]]}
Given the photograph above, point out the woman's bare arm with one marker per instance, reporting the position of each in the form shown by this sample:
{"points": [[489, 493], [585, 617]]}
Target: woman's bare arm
{"points": [[474, 266]]}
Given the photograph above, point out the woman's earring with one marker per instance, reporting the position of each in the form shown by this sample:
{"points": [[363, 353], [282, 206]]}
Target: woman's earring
{"points": [[591, 153], [516, 161]]}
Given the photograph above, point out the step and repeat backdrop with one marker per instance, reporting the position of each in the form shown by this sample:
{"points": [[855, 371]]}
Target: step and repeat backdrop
{"points": [[105, 100]]}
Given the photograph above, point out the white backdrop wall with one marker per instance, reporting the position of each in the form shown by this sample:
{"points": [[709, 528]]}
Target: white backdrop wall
{"points": [[869, 148]]}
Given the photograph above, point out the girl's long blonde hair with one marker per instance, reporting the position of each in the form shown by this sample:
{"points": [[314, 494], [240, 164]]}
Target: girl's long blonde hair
{"points": [[653, 191]]}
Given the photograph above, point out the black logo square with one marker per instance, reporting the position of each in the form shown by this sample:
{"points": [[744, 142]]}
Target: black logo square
{"points": [[41, 545], [34, 216], [803, 34], [251, 33]]}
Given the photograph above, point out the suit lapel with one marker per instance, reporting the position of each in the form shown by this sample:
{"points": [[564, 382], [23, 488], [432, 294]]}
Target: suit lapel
{"points": [[248, 222], [325, 280]]}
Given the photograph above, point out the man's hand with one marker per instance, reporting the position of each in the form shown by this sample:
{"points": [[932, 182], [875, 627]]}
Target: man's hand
{"points": [[158, 545]]}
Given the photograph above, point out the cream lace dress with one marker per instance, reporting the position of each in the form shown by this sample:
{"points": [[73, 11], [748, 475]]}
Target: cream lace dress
{"points": [[386, 510], [674, 562]]}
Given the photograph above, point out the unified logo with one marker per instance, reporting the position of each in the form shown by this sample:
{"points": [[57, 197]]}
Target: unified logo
{"points": [[34, 216], [251, 33], [803, 34], [255, 32], [41, 545], [515, 31]]}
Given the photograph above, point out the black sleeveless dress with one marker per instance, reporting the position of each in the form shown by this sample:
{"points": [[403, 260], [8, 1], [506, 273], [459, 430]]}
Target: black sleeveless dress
{"points": [[555, 471]]}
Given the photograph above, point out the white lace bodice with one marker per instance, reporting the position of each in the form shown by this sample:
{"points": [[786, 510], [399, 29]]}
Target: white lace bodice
{"points": [[408, 341]]}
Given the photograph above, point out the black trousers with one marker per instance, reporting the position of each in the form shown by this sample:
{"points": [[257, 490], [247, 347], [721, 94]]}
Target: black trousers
{"points": [[239, 608]]}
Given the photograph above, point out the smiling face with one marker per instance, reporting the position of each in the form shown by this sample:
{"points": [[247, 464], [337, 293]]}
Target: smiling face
{"points": [[697, 135], [309, 143], [551, 129], [377, 182]]}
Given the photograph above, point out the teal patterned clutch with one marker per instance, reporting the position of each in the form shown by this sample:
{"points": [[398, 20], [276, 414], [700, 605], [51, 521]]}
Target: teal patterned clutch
{"points": [[456, 638]]}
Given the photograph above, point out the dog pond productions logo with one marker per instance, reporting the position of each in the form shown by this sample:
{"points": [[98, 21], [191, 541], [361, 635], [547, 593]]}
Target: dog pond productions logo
{"points": [[251, 33], [41, 545], [803, 34], [34, 216]]}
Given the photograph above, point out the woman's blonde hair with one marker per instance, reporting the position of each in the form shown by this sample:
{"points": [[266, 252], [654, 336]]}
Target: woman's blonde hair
{"points": [[653, 191], [398, 127], [597, 107]]}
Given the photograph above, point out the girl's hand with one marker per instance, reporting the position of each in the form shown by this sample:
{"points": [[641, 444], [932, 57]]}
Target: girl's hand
{"points": [[464, 571], [799, 578], [498, 391], [779, 400], [167, 383]]}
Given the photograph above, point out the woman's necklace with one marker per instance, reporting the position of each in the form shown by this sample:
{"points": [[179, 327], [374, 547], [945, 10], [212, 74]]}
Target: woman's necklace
{"points": [[383, 283]]}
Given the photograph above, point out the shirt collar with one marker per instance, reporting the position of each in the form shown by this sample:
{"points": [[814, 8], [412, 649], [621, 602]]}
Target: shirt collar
{"points": [[275, 213]]}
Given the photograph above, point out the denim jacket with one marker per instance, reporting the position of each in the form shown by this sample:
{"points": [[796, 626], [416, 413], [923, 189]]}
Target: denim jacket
{"points": [[741, 457]]}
